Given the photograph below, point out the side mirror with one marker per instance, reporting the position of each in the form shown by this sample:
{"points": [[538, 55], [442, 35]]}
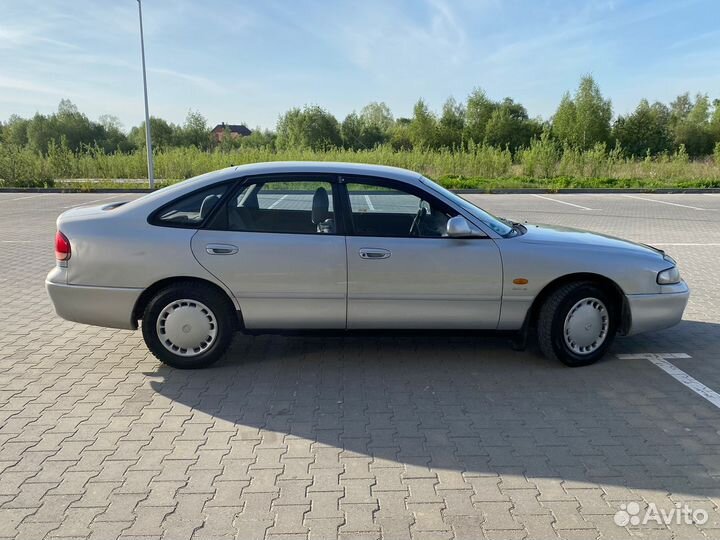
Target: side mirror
{"points": [[458, 227]]}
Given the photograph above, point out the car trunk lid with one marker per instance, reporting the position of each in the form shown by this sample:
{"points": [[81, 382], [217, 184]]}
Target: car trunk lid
{"points": [[80, 213]]}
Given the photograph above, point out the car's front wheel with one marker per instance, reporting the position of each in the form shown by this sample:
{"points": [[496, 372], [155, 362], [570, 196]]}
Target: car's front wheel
{"points": [[188, 325], [577, 324]]}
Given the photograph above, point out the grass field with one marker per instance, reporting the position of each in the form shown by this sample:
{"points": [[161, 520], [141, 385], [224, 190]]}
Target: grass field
{"points": [[482, 167]]}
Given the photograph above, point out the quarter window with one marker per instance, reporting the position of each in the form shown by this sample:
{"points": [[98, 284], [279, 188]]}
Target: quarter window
{"points": [[385, 211], [191, 210], [282, 206]]}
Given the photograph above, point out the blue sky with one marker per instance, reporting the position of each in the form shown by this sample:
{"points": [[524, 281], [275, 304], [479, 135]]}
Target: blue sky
{"points": [[242, 61]]}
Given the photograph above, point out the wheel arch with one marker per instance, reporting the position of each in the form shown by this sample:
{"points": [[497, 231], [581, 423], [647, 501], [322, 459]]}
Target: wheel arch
{"points": [[153, 289], [607, 284]]}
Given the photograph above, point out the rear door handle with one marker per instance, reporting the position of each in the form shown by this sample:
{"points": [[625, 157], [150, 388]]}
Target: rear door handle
{"points": [[374, 253], [221, 249]]}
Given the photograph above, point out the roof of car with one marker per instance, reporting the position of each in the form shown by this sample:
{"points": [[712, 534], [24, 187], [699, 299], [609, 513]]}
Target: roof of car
{"points": [[169, 193], [273, 167]]}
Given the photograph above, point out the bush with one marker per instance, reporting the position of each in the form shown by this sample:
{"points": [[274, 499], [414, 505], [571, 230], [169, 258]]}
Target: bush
{"points": [[21, 167], [541, 159], [544, 163]]}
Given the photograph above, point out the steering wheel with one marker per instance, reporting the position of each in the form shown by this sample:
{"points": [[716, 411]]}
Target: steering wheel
{"points": [[415, 227]]}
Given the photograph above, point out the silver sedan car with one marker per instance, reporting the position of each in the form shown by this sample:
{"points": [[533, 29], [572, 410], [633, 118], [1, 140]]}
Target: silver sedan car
{"points": [[271, 247]]}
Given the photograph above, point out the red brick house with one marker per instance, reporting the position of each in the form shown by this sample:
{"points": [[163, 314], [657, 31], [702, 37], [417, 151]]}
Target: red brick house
{"points": [[235, 130]]}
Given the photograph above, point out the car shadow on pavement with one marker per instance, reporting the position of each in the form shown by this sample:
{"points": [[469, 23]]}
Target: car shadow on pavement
{"points": [[433, 406]]}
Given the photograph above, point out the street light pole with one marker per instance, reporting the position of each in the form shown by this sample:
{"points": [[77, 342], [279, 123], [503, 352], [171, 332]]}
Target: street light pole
{"points": [[148, 138]]}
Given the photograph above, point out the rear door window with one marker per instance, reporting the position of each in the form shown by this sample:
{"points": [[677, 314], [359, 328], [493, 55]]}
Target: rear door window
{"points": [[282, 205]]}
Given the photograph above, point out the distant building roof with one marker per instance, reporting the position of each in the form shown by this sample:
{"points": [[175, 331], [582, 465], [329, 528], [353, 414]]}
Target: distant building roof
{"points": [[232, 128]]}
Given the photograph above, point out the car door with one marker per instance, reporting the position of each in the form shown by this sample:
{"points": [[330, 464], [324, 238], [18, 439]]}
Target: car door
{"points": [[276, 245], [404, 273]]}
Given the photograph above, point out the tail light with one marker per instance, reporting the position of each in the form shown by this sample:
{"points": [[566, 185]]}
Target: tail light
{"points": [[62, 247]]}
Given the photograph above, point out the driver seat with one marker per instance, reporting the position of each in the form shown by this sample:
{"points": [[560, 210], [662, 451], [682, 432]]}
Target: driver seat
{"points": [[320, 214]]}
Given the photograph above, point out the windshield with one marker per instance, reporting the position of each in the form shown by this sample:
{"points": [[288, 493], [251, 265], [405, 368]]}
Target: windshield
{"points": [[488, 219]]}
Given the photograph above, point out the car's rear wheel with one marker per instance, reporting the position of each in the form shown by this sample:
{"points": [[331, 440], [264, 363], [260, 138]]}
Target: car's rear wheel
{"points": [[188, 325], [577, 324]]}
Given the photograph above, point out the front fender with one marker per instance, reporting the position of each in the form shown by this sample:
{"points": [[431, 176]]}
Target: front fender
{"points": [[541, 264]]}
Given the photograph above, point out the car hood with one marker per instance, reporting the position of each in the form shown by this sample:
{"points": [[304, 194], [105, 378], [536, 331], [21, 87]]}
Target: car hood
{"points": [[556, 235]]}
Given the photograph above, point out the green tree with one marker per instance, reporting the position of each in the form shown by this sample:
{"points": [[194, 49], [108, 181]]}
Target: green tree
{"points": [[194, 132], [423, 126], [377, 116], [259, 138], [509, 126], [351, 131], [583, 121], [680, 108], [310, 127], [478, 111], [115, 138], [451, 124], [164, 134], [694, 129], [564, 121], [15, 131], [400, 135], [228, 142], [646, 130], [71, 124], [593, 114], [359, 133], [67, 107], [68, 128], [372, 136], [67, 124], [715, 122], [43, 129]]}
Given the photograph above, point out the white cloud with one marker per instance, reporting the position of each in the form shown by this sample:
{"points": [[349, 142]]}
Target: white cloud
{"points": [[14, 38], [20, 85], [201, 82]]}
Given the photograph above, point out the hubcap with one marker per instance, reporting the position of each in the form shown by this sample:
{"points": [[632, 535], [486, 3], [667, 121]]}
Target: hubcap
{"points": [[586, 326], [186, 327]]}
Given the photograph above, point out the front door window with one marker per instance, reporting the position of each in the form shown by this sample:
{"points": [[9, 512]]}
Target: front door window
{"points": [[391, 212]]}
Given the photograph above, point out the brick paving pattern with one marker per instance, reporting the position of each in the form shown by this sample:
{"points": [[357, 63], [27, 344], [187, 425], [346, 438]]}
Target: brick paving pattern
{"points": [[433, 437]]}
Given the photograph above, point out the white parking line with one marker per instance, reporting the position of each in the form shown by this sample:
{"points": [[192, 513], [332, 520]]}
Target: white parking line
{"points": [[26, 197], [683, 244], [273, 205], [369, 203], [659, 359], [664, 202], [562, 202]]}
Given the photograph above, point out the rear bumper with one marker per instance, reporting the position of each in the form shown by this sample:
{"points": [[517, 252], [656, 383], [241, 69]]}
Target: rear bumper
{"points": [[99, 306], [657, 311]]}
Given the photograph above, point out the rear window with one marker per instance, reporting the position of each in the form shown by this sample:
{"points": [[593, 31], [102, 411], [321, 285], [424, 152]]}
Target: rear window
{"points": [[191, 210]]}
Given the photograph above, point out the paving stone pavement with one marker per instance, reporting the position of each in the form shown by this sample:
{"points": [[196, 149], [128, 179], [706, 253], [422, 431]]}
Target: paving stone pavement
{"points": [[420, 437]]}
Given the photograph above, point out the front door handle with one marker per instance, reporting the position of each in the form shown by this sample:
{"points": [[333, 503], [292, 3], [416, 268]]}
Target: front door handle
{"points": [[221, 249], [374, 253]]}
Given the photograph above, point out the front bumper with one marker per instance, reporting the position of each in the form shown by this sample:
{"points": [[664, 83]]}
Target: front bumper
{"points": [[100, 306], [657, 311]]}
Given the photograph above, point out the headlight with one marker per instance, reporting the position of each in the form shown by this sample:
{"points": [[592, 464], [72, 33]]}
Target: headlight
{"points": [[669, 276]]}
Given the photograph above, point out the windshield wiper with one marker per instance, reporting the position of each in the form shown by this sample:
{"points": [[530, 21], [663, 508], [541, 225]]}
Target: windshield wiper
{"points": [[517, 228]]}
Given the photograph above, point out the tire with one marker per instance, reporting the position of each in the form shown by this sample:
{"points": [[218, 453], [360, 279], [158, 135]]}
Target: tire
{"points": [[583, 337], [188, 325]]}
